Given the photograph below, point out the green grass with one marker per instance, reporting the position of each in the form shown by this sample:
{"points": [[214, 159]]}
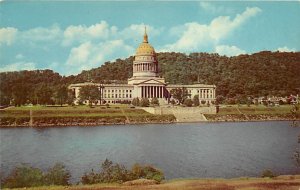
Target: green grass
{"points": [[260, 109], [43, 115]]}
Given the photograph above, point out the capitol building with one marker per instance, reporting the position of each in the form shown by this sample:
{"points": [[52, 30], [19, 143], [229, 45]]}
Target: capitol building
{"points": [[145, 82]]}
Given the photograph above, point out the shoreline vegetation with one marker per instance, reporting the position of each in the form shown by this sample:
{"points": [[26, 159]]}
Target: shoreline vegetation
{"points": [[145, 177], [50, 116], [286, 182]]}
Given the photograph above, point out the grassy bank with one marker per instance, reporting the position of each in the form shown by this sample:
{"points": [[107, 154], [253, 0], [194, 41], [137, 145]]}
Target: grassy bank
{"points": [[77, 116], [276, 183], [253, 113]]}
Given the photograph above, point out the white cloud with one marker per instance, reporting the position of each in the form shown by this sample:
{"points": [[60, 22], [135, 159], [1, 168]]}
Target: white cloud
{"points": [[41, 34], [7, 35], [194, 36], [83, 33], [19, 56], [286, 49], [18, 66], [229, 50], [89, 55], [212, 8]]}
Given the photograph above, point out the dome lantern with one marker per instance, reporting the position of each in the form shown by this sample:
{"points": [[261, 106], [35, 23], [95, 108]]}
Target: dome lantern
{"points": [[145, 36]]}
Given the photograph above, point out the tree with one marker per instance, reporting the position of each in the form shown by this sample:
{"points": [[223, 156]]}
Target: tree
{"points": [[19, 94], [71, 97], [179, 94], [144, 102], [154, 101], [44, 94], [62, 95], [196, 100], [90, 93]]}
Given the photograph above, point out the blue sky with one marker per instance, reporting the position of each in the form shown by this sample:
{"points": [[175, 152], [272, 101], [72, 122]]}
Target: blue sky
{"points": [[71, 36]]}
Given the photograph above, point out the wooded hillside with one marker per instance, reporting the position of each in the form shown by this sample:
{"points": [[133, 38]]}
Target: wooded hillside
{"points": [[260, 74]]}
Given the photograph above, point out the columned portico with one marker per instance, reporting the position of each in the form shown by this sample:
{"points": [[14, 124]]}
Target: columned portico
{"points": [[151, 91]]}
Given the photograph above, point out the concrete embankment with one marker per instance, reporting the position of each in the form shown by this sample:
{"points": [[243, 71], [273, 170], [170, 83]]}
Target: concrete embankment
{"points": [[183, 114]]}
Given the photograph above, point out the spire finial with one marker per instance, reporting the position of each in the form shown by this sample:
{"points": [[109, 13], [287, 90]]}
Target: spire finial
{"points": [[145, 36]]}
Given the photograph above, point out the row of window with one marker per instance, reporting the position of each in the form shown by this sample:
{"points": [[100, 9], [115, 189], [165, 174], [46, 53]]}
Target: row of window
{"points": [[108, 91], [117, 96]]}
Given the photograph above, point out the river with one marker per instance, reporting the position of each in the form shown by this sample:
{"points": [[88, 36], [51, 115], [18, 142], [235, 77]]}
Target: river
{"points": [[186, 150]]}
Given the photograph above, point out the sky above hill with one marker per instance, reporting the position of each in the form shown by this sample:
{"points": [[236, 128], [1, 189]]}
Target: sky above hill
{"points": [[71, 36]]}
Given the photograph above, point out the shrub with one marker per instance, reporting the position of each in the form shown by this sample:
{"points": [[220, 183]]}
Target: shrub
{"points": [[196, 100], [152, 173], [154, 101], [268, 173], [117, 173], [24, 176], [109, 173], [203, 102], [188, 102], [144, 102], [27, 176], [136, 102], [57, 175], [173, 102]]}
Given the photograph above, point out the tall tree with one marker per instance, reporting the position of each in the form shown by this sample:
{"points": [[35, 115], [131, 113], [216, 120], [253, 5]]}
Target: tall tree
{"points": [[61, 95], [90, 93], [179, 94]]}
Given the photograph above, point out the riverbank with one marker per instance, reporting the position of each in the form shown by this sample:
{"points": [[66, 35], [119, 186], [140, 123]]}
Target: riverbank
{"points": [[253, 113], [284, 182], [41, 116]]}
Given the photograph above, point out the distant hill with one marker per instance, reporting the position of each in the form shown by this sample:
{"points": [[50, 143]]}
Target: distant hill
{"points": [[259, 74], [263, 73]]}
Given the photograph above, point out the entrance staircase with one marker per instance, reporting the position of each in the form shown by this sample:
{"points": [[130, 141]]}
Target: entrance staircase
{"points": [[184, 115]]}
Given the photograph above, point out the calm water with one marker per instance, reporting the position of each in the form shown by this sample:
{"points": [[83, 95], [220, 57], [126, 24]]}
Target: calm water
{"points": [[181, 150]]}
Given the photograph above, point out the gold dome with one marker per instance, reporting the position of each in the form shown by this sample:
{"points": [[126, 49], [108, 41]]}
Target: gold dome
{"points": [[145, 48]]}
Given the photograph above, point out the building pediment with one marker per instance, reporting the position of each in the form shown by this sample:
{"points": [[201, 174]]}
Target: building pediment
{"points": [[151, 82]]}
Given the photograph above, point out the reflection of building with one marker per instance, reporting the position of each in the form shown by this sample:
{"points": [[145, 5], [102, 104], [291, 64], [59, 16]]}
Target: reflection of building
{"points": [[145, 82]]}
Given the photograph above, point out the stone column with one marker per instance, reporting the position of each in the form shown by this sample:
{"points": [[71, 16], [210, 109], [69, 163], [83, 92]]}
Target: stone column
{"points": [[151, 95], [159, 90]]}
